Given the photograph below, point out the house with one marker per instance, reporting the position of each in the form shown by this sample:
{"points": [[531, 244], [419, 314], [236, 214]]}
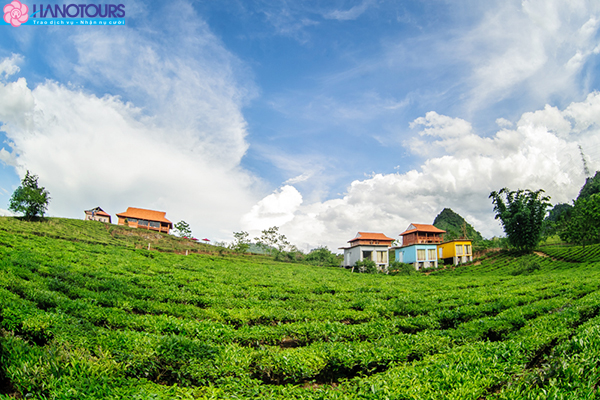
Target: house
{"points": [[145, 219], [419, 246], [368, 246], [457, 251], [97, 214]]}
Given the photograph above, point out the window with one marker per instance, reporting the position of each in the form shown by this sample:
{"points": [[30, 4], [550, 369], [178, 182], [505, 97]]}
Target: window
{"points": [[154, 224], [382, 257], [421, 255], [459, 250], [367, 255], [467, 249], [400, 256], [431, 254], [142, 222], [441, 253]]}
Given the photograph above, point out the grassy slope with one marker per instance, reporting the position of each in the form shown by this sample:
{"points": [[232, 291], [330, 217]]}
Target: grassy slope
{"points": [[86, 311]]}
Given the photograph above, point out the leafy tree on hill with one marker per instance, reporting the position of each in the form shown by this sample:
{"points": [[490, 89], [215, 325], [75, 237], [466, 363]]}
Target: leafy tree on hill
{"points": [[183, 229], [522, 214], [455, 226], [591, 186], [322, 256], [583, 228], [241, 243], [271, 240], [30, 199]]}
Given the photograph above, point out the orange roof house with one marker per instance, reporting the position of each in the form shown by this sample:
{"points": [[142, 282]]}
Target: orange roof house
{"points": [[422, 234], [146, 219], [97, 214]]}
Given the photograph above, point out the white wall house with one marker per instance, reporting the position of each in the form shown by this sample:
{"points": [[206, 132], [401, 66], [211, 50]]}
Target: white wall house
{"points": [[368, 246]]}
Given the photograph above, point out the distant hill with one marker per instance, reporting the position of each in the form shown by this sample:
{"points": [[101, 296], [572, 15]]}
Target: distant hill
{"points": [[591, 186], [453, 224]]}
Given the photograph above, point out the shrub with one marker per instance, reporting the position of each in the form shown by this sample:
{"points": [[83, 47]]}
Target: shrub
{"points": [[399, 268], [366, 266]]}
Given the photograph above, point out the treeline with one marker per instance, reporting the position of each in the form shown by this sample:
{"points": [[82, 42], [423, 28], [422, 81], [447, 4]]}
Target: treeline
{"points": [[275, 244]]}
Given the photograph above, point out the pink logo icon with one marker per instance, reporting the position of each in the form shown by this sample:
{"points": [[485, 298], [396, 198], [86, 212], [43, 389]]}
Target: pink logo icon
{"points": [[15, 13]]}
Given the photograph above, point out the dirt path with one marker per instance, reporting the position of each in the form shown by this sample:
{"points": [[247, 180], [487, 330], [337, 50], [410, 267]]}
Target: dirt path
{"points": [[539, 253]]}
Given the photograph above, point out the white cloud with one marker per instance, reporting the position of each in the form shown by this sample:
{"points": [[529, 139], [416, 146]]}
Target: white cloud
{"points": [[8, 158], [541, 152], [297, 179], [275, 209], [350, 14], [9, 66], [92, 151], [503, 123]]}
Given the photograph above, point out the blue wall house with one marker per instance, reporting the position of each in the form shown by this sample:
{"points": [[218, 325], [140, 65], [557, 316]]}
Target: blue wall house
{"points": [[419, 246]]}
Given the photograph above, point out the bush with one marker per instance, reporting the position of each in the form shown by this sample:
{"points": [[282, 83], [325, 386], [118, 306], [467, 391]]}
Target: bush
{"points": [[399, 268], [366, 266], [525, 268]]}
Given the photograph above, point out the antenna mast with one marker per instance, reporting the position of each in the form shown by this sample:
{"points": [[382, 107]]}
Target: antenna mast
{"points": [[586, 170]]}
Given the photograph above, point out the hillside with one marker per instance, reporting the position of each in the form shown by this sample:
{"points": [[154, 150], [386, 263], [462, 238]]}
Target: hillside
{"points": [[454, 224], [88, 312], [591, 186]]}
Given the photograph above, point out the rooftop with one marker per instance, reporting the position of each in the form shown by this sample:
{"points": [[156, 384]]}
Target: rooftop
{"points": [[421, 228], [141, 213]]}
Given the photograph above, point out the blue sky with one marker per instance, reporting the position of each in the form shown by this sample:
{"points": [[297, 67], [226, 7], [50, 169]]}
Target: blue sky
{"points": [[323, 118]]}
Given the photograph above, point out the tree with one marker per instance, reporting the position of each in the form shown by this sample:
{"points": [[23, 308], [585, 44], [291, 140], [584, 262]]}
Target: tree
{"points": [[556, 220], [271, 240], [183, 229], [322, 256], [584, 226], [521, 213], [30, 199], [241, 242]]}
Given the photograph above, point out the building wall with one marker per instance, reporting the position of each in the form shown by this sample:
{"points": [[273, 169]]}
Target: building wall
{"points": [[459, 251], [409, 255], [96, 217], [354, 254], [144, 224]]}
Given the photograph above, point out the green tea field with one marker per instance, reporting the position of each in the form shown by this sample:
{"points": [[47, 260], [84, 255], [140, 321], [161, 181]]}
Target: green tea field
{"points": [[88, 312]]}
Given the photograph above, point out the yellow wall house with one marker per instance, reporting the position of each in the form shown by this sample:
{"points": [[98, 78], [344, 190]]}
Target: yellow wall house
{"points": [[457, 251]]}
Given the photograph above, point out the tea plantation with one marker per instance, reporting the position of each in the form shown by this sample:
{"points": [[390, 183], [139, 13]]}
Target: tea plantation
{"points": [[88, 312]]}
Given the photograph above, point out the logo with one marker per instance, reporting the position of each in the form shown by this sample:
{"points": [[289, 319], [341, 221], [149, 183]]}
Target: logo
{"points": [[15, 13]]}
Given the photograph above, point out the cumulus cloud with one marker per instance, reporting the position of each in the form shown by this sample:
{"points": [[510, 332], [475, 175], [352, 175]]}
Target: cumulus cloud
{"points": [[92, 151], [275, 209], [541, 152]]}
